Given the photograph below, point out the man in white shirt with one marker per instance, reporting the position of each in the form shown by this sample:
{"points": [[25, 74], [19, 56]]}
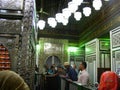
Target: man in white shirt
{"points": [[83, 77]]}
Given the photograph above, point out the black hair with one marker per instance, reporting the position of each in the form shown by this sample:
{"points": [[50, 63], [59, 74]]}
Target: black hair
{"points": [[84, 64]]}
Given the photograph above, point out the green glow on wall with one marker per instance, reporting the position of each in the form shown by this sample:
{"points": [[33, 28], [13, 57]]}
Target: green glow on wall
{"points": [[37, 47], [87, 50], [107, 44], [72, 49]]}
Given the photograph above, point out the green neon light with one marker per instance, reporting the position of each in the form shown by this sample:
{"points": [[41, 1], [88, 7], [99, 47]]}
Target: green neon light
{"points": [[72, 49]]}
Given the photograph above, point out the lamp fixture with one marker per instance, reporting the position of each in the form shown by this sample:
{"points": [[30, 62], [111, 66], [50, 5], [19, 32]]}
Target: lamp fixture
{"points": [[97, 4], [87, 11], [77, 16], [41, 24], [66, 13], [65, 21], [59, 17], [73, 7], [52, 22], [78, 2]]}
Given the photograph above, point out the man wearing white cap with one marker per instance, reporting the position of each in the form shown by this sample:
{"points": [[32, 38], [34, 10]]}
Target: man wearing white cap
{"points": [[70, 72]]}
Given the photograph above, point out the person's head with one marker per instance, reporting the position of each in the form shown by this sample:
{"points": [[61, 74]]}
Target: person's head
{"points": [[83, 65], [74, 66], [66, 65], [10, 80], [59, 68], [52, 67]]}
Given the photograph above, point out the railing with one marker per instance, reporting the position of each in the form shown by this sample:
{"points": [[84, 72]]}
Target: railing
{"points": [[71, 85], [47, 82]]}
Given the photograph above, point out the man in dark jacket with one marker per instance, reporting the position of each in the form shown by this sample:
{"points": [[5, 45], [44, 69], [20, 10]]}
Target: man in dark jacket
{"points": [[71, 73]]}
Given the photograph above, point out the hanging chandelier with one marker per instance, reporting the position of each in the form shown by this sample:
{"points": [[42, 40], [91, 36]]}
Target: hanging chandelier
{"points": [[72, 8]]}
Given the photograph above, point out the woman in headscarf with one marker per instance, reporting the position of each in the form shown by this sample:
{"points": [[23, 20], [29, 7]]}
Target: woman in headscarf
{"points": [[9, 80]]}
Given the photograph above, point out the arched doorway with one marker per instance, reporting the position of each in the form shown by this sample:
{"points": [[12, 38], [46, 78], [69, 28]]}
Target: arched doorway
{"points": [[53, 60]]}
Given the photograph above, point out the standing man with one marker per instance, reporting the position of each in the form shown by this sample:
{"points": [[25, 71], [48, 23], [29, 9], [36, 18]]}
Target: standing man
{"points": [[71, 73], [83, 74]]}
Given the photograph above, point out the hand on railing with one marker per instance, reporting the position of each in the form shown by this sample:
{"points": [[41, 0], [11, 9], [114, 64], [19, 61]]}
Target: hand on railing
{"points": [[69, 80]]}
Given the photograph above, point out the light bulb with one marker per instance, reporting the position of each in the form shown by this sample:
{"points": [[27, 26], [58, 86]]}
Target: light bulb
{"points": [[78, 2], [73, 7], [97, 4], [41, 24], [66, 13], [77, 16], [65, 22], [59, 17], [52, 22], [87, 11]]}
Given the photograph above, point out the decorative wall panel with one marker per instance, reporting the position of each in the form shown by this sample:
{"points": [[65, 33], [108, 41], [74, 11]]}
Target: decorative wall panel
{"points": [[115, 49], [11, 4], [115, 35], [91, 48], [10, 26], [11, 43], [27, 52], [54, 47]]}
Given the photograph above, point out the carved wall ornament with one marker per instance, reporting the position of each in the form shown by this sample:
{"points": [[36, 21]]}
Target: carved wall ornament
{"points": [[11, 4]]}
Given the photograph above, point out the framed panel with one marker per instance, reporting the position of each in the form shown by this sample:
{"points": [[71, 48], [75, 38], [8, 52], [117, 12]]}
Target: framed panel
{"points": [[115, 37], [90, 48], [104, 45], [11, 4]]}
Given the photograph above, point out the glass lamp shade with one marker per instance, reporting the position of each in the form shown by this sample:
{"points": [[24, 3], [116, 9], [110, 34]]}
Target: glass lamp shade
{"points": [[59, 17], [87, 11], [78, 2], [66, 13], [77, 16], [65, 21], [41, 24], [73, 7], [97, 4], [52, 22]]}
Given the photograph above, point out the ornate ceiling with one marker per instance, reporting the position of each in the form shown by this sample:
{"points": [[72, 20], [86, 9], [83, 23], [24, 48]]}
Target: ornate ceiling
{"points": [[75, 30]]}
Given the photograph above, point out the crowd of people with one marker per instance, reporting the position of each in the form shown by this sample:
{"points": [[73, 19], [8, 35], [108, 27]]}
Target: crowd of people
{"points": [[10, 80], [69, 72], [108, 81]]}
